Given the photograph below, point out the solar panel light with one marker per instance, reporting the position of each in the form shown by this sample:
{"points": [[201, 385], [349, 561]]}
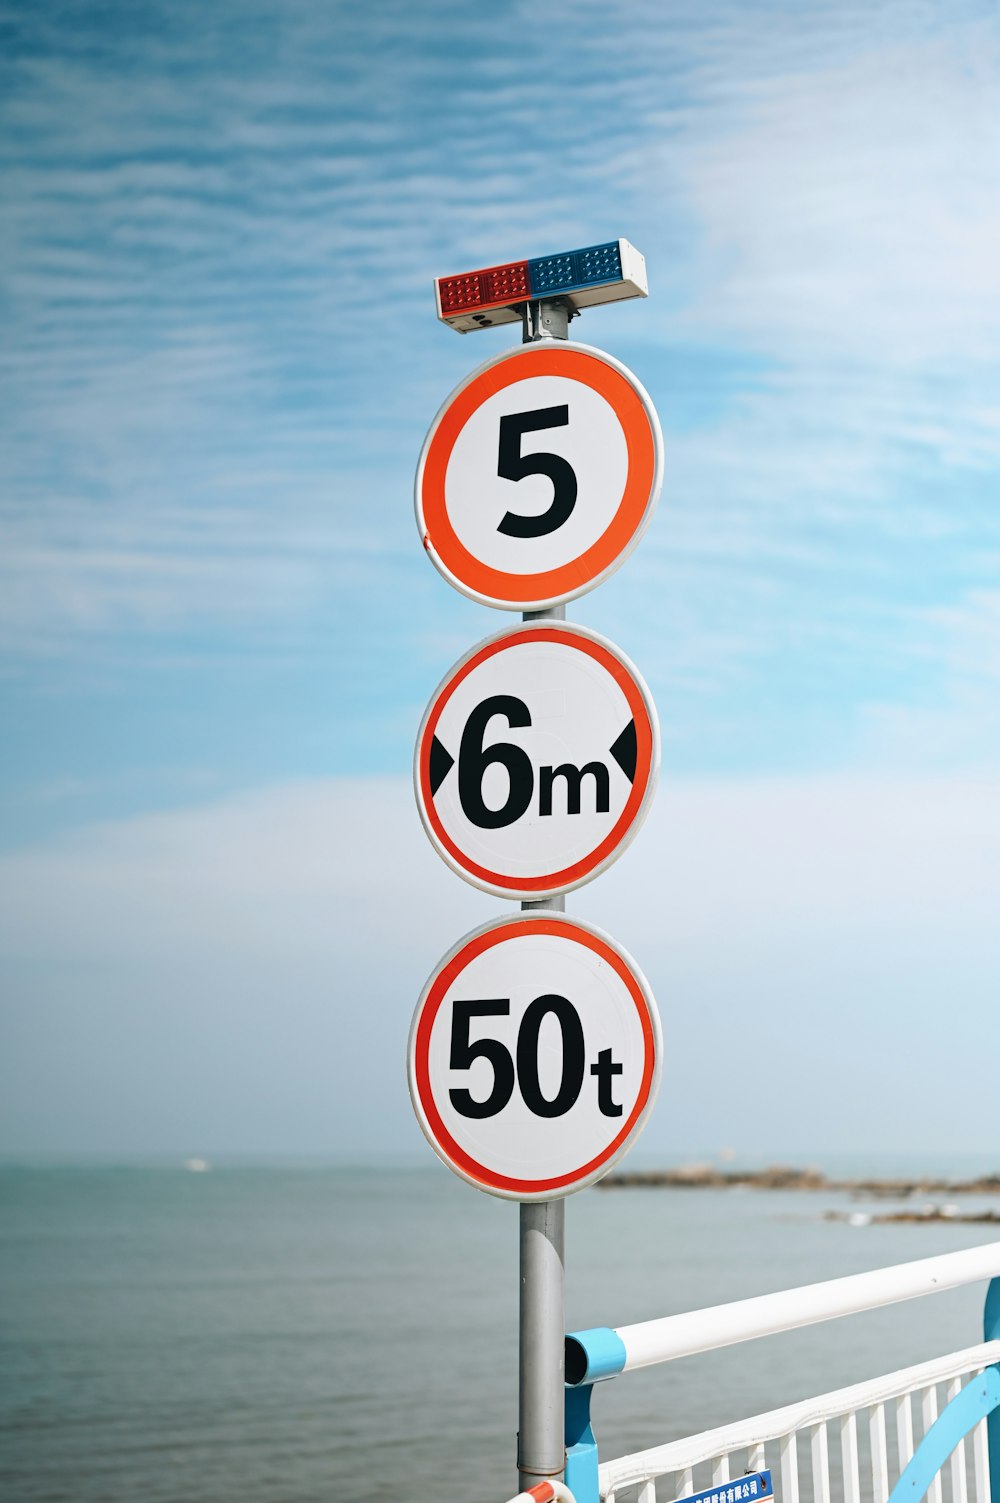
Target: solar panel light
{"points": [[497, 294]]}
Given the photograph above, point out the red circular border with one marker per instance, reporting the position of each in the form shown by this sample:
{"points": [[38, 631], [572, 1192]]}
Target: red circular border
{"points": [[571, 875], [430, 1006], [573, 577]]}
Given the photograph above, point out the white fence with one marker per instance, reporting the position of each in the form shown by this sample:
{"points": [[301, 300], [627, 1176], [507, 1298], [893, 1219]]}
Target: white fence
{"points": [[848, 1446], [881, 1410]]}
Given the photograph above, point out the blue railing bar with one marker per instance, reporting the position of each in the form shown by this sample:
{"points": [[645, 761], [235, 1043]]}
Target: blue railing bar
{"points": [[592, 1355], [673, 1336], [979, 1398], [991, 1330]]}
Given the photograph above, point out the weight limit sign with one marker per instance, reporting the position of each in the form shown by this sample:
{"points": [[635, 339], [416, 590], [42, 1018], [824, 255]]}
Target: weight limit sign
{"points": [[539, 475], [534, 1056], [536, 760]]}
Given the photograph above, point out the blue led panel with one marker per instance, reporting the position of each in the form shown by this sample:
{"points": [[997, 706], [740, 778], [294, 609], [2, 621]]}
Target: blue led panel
{"points": [[551, 273], [581, 268], [601, 263]]}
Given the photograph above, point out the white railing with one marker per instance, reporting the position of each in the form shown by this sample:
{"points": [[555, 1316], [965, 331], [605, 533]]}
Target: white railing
{"points": [[866, 1472], [674, 1336], [872, 1424]]}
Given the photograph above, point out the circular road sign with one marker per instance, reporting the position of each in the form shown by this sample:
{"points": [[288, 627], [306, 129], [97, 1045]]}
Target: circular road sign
{"points": [[539, 475], [536, 760], [534, 1056]]}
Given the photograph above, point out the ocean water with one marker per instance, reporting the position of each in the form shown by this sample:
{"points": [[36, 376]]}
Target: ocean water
{"points": [[296, 1334]]}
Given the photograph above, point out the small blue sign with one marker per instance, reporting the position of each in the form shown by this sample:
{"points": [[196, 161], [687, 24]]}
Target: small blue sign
{"points": [[752, 1488]]}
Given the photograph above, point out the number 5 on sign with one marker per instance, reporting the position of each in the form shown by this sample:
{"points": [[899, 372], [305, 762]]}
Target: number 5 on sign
{"points": [[513, 465], [539, 475], [534, 1056]]}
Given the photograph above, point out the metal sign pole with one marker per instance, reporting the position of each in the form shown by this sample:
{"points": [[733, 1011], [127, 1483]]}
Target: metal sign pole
{"points": [[541, 1447], [541, 1443]]}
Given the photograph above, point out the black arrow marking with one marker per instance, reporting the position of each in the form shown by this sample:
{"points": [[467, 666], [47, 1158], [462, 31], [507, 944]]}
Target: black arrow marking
{"points": [[441, 763], [625, 751]]}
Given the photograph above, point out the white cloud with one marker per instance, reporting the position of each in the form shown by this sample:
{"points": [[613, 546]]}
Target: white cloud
{"points": [[841, 180], [254, 964], [884, 269]]}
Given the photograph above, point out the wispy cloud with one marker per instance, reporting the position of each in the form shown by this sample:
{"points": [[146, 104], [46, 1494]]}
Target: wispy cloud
{"points": [[219, 361], [851, 210]]}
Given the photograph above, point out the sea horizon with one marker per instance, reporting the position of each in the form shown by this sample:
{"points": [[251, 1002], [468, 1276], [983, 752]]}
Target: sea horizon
{"points": [[954, 1163], [267, 1331]]}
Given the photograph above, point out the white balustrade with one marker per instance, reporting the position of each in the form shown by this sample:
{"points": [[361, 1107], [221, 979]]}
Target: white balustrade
{"points": [[771, 1441]]}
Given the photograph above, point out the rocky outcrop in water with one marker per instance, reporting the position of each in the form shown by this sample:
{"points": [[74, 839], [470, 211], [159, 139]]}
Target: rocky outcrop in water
{"points": [[923, 1215], [783, 1177]]}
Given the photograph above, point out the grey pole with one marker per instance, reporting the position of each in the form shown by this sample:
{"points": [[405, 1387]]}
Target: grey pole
{"points": [[541, 1446]]}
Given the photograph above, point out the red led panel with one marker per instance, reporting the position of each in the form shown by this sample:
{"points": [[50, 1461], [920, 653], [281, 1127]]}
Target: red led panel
{"points": [[478, 289], [459, 293], [506, 284]]}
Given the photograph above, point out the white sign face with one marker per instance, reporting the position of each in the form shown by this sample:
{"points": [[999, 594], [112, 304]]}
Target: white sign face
{"points": [[536, 760], [539, 475], [534, 1056]]}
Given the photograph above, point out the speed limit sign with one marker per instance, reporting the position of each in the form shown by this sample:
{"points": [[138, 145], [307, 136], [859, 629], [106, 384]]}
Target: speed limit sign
{"points": [[537, 759], [534, 1056], [539, 475]]}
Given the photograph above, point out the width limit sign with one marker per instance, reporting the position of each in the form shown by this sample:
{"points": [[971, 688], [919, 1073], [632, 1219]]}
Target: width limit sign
{"points": [[534, 1056], [539, 475], [536, 760]]}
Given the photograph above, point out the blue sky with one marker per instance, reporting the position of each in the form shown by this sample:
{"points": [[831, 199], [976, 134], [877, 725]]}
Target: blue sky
{"points": [[218, 632]]}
